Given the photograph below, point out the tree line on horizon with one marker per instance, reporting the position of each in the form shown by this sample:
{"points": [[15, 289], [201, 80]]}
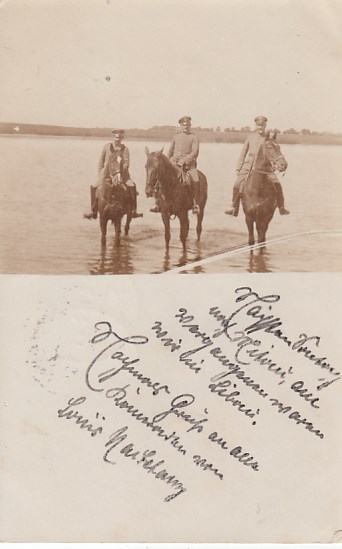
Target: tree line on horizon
{"points": [[159, 133]]}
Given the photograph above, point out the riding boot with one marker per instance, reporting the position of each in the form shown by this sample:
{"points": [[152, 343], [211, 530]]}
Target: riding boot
{"points": [[132, 193], [156, 209], [234, 210], [94, 204], [195, 193], [280, 198]]}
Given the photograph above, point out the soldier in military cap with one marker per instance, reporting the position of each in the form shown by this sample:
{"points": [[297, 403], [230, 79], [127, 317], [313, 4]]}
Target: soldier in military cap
{"points": [[245, 164], [113, 151], [183, 153]]}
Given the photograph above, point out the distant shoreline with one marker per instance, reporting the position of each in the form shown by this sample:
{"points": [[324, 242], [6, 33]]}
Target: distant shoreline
{"points": [[163, 134], [282, 139]]}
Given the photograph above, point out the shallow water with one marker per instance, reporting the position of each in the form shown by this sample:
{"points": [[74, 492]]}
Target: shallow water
{"points": [[45, 190]]}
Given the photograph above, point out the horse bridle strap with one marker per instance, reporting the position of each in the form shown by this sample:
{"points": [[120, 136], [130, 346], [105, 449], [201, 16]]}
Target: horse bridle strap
{"points": [[263, 172]]}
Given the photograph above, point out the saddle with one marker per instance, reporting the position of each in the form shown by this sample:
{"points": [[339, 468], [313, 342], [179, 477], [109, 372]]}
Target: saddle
{"points": [[113, 190], [184, 176]]}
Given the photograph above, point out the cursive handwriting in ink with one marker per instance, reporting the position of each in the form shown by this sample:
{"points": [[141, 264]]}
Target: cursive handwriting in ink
{"points": [[255, 353], [300, 346], [182, 401], [118, 394], [296, 417], [238, 453], [126, 363], [147, 459], [206, 465], [219, 387], [167, 341], [70, 413], [299, 388], [186, 321], [265, 322], [234, 369]]}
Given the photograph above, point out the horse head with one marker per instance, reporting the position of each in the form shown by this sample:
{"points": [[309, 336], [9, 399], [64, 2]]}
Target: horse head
{"points": [[114, 197], [153, 171], [113, 167], [274, 155]]}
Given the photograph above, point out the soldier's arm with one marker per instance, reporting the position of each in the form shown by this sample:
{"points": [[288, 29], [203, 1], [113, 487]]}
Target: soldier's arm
{"points": [[171, 149], [102, 159], [125, 162], [243, 155], [194, 150], [125, 158]]}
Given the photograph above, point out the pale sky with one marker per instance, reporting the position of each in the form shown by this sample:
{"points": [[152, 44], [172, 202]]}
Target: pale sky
{"points": [[220, 61]]}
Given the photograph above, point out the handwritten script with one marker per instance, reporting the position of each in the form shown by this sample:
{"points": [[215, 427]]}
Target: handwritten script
{"points": [[171, 395]]}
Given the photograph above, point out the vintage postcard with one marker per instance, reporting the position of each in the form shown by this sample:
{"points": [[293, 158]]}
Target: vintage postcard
{"points": [[144, 140], [158, 411]]}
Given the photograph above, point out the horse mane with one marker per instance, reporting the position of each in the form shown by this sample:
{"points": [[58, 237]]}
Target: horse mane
{"points": [[167, 170], [262, 162], [269, 153]]}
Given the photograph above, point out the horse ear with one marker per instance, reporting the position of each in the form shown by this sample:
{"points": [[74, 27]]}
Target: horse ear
{"points": [[147, 151], [160, 152]]}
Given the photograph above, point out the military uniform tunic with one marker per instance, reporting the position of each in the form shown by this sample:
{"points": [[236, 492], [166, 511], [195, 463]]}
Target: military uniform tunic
{"points": [[111, 151], [248, 156], [185, 146]]}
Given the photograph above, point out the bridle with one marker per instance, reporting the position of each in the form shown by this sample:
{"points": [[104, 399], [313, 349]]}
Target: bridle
{"points": [[273, 163], [155, 176]]}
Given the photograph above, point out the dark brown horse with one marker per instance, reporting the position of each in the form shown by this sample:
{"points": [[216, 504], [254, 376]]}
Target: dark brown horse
{"points": [[174, 197], [258, 193], [113, 201]]}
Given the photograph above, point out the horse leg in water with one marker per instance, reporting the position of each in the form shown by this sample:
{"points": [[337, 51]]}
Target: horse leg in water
{"points": [[261, 227], [199, 222], [261, 235], [203, 194], [103, 225], [250, 227], [128, 222], [166, 220], [184, 227], [117, 227]]}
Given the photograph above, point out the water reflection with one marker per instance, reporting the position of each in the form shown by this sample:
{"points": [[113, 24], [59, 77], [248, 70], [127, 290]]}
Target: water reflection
{"points": [[259, 261], [166, 264], [187, 257], [170, 263], [199, 268], [114, 259]]}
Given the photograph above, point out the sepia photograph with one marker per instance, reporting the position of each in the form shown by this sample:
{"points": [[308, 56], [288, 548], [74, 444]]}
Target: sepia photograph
{"points": [[172, 136], [160, 137]]}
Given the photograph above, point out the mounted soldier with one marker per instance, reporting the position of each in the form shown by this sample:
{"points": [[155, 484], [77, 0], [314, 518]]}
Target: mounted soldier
{"points": [[246, 162], [183, 153], [113, 154]]}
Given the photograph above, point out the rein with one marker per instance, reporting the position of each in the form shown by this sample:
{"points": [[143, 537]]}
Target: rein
{"points": [[262, 172], [265, 172]]}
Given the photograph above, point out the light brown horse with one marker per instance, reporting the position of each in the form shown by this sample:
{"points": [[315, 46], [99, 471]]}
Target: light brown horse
{"points": [[173, 196], [258, 193], [113, 201]]}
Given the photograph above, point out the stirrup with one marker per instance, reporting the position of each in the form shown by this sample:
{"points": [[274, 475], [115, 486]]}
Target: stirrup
{"points": [[196, 209]]}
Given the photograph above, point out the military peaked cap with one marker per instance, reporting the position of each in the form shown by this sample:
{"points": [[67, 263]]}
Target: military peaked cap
{"points": [[260, 119], [118, 132], [184, 119]]}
